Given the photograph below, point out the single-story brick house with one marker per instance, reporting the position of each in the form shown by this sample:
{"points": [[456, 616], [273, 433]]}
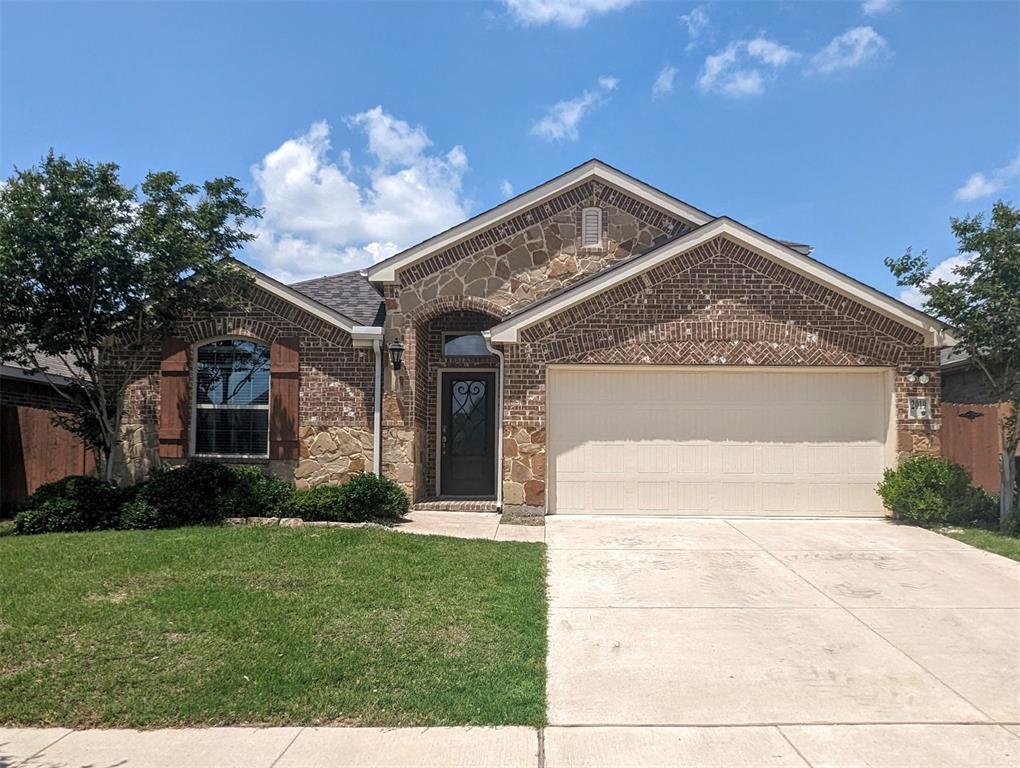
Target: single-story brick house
{"points": [[593, 345]]}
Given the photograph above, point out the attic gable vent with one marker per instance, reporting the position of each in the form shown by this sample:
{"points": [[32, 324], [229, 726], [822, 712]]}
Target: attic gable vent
{"points": [[591, 228]]}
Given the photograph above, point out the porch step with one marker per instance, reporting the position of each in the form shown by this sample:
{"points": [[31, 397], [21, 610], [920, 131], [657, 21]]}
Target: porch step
{"points": [[455, 505]]}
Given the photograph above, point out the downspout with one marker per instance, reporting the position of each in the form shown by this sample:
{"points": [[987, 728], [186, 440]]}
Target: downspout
{"points": [[377, 416], [499, 422]]}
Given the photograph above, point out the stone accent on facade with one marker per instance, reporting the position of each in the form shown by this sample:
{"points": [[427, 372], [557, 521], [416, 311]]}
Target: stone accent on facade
{"points": [[136, 454], [332, 455], [474, 284], [537, 260]]}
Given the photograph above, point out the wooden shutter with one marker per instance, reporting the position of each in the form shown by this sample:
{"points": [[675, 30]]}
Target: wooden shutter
{"points": [[173, 399], [284, 403]]}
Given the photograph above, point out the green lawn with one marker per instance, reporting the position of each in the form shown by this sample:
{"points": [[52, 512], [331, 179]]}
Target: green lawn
{"points": [[257, 625], [1007, 546]]}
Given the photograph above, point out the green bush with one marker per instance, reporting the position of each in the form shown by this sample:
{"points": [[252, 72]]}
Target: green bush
{"points": [[319, 503], [204, 492], [930, 490], [363, 497], [255, 494], [1011, 525], [75, 503], [366, 496]]}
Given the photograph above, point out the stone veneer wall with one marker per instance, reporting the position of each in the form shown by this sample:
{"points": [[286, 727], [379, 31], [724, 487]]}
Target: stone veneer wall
{"points": [[336, 393], [502, 269], [719, 305]]}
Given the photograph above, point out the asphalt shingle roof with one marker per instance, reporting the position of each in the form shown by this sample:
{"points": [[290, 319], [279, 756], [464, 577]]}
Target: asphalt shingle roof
{"points": [[349, 293]]}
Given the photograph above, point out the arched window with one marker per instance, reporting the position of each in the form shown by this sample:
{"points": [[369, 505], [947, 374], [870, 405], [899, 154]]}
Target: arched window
{"points": [[231, 415]]}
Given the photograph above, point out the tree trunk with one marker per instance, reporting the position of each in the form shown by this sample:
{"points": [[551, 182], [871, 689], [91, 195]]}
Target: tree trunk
{"points": [[1008, 471]]}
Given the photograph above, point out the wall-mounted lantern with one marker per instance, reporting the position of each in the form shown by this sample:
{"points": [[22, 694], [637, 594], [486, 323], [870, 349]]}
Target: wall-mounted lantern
{"points": [[396, 354]]}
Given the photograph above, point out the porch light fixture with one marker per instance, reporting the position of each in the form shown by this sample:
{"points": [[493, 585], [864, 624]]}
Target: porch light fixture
{"points": [[918, 375], [396, 354]]}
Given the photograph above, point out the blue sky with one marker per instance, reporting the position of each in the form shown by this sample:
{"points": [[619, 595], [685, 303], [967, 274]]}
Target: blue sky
{"points": [[859, 128]]}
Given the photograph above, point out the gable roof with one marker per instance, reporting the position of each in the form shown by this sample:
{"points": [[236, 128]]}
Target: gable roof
{"points": [[359, 332], [387, 270], [934, 331], [349, 293]]}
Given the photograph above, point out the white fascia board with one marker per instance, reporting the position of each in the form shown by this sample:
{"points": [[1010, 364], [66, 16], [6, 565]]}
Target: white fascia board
{"points": [[298, 299], [387, 271], [366, 335], [934, 332]]}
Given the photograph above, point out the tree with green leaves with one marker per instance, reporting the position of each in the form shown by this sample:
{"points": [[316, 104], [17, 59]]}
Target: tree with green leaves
{"points": [[96, 274], [982, 304]]}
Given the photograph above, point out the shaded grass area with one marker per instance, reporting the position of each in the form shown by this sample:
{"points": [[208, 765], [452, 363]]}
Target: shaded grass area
{"points": [[1007, 546], [270, 625]]}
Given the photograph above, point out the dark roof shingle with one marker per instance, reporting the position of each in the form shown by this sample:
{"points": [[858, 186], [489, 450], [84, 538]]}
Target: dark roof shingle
{"points": [[349, 293]]}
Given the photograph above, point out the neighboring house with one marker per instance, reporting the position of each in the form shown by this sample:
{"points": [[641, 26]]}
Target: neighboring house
{"points": [[593, 345], [33, 450], [971, 434]]}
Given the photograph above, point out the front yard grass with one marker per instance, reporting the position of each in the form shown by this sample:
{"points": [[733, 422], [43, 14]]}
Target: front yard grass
{"points": [[276, 626], [1007, 546]]}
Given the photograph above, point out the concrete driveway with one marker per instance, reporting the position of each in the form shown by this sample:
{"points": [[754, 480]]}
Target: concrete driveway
{"points": [[778, 642]]}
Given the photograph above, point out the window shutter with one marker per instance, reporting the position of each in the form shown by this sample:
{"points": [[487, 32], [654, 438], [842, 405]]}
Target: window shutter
{"points": [[284, 403], [591, 227], [173, 399]]}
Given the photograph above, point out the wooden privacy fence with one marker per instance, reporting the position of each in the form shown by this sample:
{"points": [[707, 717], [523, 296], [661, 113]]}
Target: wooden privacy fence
{"points": [[34, 451], [970, 436]]}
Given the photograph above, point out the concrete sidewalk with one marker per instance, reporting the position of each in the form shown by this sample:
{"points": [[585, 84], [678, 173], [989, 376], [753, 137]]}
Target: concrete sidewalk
{"points": [[271, 748]]}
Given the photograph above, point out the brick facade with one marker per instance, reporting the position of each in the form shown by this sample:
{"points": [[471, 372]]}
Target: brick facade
{"points": [[718, 304], [721, 305], [336, 392]]}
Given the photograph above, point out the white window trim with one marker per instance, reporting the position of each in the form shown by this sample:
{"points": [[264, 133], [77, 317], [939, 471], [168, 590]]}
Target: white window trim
{"points": [[195, 405]]}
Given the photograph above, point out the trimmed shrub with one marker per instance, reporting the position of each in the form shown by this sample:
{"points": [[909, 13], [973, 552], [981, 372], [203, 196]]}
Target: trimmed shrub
{"points": [[366, 496], [363, 497], [192, 494], [319, 503], [255, 494], [137, 513], [75, 503], [930, 490], [204, 492]]}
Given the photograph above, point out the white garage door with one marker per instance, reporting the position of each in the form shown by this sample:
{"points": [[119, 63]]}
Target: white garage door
{"points": [[671, 441]]}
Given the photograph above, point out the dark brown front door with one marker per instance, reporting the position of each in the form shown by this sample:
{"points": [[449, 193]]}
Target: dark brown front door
{"points": [[467, 442]]}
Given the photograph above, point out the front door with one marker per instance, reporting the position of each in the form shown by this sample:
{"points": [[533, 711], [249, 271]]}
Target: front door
{"points": [[467, 442]]}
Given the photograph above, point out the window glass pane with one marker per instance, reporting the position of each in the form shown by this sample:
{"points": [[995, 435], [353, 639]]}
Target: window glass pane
{"points": [[465, 345], [232, 373], [232, 431]]}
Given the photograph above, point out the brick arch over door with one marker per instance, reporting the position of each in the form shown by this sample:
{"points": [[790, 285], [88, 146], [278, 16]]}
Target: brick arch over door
{"points": [[415, 325], [424, 340]]}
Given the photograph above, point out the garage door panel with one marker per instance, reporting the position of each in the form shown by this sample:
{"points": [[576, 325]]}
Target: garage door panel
{"points": [[668, 441]]}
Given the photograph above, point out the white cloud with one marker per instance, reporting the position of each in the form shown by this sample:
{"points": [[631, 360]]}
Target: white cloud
{"points": [[562, 118], [324, 216], [979, 185], [664, 82], [564, 13], [876, 7], [697, 23], [942, 271], [744, 67], [851, 49], [506, 188]]}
